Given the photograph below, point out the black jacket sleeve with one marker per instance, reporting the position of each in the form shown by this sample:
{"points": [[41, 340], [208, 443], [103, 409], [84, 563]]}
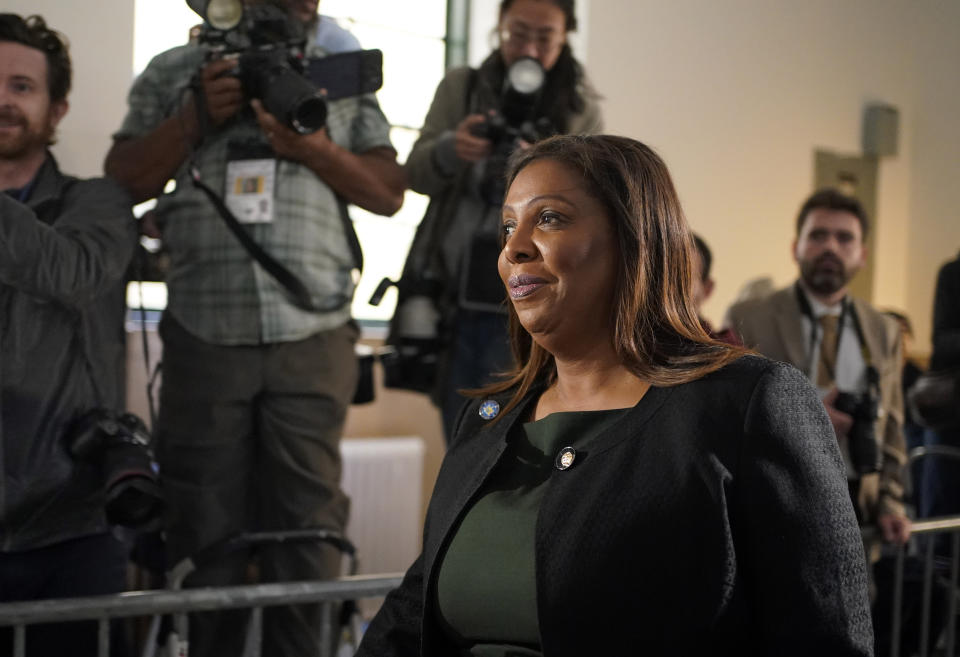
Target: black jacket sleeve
{"points": [[798, 535], [77, 257], [395, 630], [946, 318]]}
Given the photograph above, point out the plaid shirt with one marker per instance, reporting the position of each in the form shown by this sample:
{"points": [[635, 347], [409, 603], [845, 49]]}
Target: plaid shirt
{"points": [[216, 291]]}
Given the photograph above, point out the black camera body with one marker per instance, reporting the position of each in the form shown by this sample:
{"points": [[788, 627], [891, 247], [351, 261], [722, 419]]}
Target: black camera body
{"points": [[513, 121], [864, 407], [120, 445], [268, 46]]}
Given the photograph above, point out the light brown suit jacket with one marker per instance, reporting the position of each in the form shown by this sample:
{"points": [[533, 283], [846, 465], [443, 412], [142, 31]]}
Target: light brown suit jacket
{"points": [[773, 326]]}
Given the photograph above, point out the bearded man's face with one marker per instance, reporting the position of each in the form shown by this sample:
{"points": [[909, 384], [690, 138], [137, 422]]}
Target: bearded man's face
{"points": [[28, 118], [829, 249]]}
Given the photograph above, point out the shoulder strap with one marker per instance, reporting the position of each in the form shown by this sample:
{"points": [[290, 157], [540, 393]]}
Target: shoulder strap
{"points": [[471, 85], [299, 294], [351, 234]]}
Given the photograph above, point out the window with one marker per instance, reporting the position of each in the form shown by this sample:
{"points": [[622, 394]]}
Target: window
{"points": [[413, 54], [413, 60]]}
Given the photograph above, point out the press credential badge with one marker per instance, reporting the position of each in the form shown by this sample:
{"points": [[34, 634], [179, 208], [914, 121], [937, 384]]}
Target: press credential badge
{"points": [[249, 192]]}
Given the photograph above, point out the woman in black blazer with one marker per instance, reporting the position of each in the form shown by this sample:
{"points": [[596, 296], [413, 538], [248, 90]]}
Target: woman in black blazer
{"points": [[634, 487]]}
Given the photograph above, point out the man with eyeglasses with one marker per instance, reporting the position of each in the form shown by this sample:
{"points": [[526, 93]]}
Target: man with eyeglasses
{"points": [[457, 161]]}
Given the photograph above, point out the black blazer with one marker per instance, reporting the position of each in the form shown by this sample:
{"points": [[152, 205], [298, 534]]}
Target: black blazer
{"points": [[712, 519]]}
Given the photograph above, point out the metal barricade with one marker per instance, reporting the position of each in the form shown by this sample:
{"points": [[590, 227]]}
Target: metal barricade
{"points": [[245, 542], [939, 572], [153, 603]]}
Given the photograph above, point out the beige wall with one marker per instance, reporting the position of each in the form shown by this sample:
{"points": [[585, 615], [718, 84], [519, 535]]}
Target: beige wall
{"points": [[401, 413], [737, 95], [934, 230]]}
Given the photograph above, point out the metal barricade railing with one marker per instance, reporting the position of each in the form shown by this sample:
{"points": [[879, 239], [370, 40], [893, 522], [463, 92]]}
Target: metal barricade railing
{"points": [[153, 603], [923, 541]]}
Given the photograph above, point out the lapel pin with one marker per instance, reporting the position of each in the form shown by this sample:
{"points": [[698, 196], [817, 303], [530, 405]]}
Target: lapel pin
{"points": [[489, 409], [565, 458]]}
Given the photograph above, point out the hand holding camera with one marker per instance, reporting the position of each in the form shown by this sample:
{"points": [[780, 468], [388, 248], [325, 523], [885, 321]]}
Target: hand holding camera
{"points": [[842, 422], [854, 416], [222, 91], [468, 145], [286, 142]]}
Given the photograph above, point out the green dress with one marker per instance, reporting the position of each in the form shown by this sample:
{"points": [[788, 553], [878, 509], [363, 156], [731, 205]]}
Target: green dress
{"points": [[486, 585]]}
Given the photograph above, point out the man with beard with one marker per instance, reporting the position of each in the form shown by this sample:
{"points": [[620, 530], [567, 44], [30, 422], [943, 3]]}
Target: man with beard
{"points": [[849, 350], [64, 248], [255, 387]]}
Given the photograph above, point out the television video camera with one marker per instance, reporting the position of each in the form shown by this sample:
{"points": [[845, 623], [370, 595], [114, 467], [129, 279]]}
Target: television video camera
{"points": [[512, 122], [120, 445], [268, 45]]}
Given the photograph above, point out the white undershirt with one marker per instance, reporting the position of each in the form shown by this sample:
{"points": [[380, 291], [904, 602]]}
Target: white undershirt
{"points": [[851, 369]]}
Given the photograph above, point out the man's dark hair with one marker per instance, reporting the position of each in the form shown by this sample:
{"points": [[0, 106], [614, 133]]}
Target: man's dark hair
{"points": [[706, 258], [34, 33], [832, 199]]}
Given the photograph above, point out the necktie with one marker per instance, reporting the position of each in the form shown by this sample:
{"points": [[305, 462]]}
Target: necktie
{"points": [[827, 365]]}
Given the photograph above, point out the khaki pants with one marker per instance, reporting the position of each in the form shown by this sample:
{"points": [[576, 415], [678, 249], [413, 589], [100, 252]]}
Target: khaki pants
{"points": [[248, 440]]}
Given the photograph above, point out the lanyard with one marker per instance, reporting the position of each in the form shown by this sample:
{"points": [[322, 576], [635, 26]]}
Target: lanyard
{"points": [[846, 308]]}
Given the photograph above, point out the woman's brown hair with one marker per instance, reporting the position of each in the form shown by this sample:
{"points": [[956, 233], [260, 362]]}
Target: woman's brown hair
{"points": [[657, 333]]}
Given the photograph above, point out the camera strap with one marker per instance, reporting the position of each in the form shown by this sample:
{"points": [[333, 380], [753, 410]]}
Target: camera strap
{"points": [[846, 309], [299, 294]]}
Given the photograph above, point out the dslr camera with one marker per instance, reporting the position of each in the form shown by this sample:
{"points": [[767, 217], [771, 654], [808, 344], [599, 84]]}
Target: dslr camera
{"points": [[864, 408], [513, 121], [269, 45], [120, 445]]}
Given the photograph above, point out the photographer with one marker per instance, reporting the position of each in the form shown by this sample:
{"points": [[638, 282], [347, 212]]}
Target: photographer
{"points": [[847, 348], [64, 247], [255, 388], [459, 161]]}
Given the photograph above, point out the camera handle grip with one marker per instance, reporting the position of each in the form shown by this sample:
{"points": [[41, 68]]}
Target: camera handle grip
{"points": [[381, 290]]}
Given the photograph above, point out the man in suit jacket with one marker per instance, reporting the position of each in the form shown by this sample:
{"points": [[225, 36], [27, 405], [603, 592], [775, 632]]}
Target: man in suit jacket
{"points": [[846, 348]]}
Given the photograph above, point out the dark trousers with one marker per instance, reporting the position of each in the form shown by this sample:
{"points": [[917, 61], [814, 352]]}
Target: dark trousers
{"points": [[91, 565], [480, 350], [248, 440]]}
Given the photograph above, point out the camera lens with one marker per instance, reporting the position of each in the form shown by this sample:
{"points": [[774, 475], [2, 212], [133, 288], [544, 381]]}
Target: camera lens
{"points": [[309, 115]]}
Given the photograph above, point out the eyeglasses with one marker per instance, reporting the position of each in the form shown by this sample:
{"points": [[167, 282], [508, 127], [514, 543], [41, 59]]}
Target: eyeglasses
{"points": [[543, 41]]}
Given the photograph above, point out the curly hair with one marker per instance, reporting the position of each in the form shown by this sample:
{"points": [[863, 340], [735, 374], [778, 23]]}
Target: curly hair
{"points": [[34, 33]]}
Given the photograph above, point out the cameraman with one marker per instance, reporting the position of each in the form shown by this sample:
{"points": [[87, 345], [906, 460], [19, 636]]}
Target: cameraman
{"points": [[848, 349], [455, 249], [255, 389], [64, 247]]}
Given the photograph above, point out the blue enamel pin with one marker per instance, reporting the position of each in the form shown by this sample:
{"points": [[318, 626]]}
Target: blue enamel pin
{"points": [[489, 409]]}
